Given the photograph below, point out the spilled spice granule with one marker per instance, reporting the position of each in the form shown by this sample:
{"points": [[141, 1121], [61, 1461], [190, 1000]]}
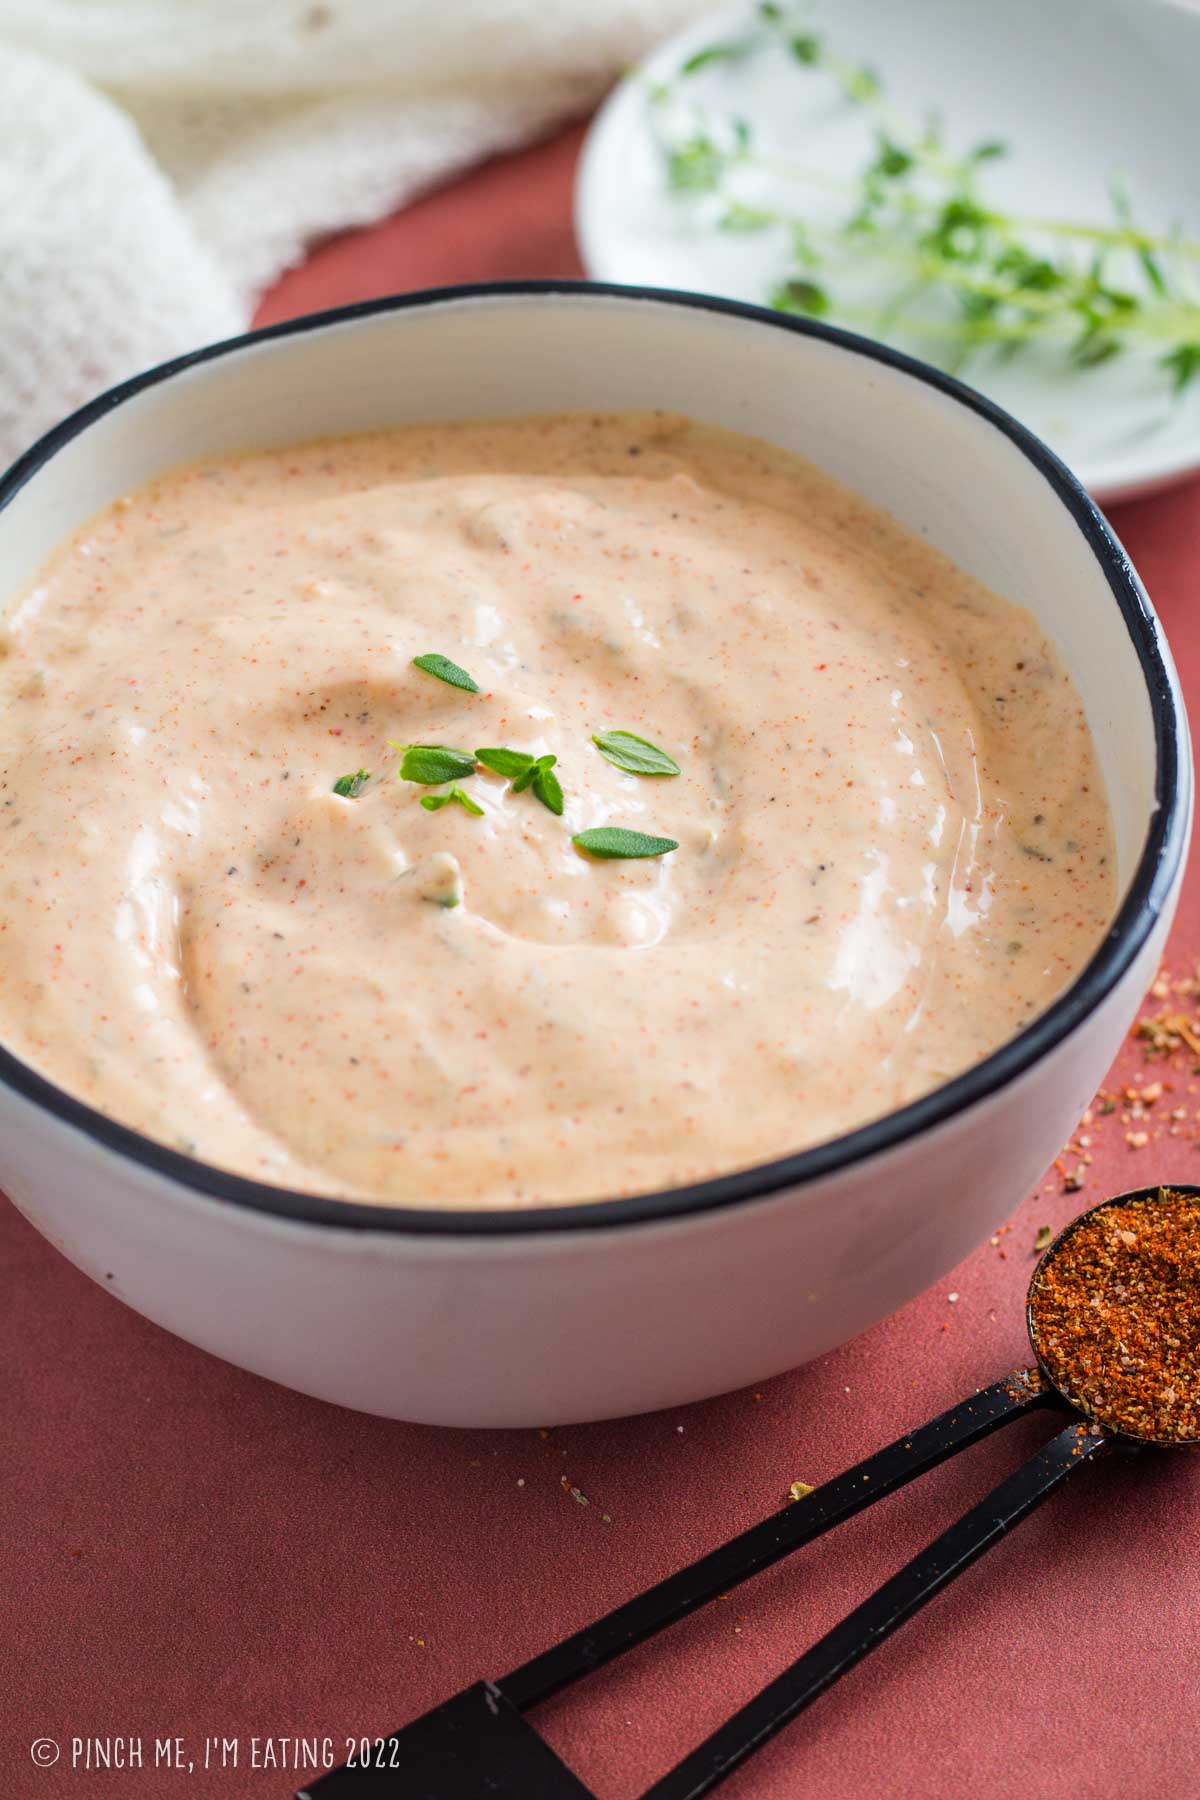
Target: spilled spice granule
{"points": [[1115, 1316]]}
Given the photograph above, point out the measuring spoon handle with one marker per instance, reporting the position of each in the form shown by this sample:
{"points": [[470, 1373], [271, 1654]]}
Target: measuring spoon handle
{"points": [[881, 1614], [775, 1537]]}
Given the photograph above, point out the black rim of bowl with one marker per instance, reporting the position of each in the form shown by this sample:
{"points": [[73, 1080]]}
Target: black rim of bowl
{"points": [[1152, 880]]}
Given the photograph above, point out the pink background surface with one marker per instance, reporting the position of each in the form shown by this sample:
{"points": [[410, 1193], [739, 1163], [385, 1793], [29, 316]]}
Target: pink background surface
{"points": [[191, 1551]]}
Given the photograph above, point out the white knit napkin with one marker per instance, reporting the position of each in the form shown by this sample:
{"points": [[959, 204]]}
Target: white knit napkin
{"points": [[162, 160]]}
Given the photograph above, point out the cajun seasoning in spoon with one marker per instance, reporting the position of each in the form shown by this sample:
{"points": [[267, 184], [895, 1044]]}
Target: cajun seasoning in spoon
{"points": [[1114, 1315]]}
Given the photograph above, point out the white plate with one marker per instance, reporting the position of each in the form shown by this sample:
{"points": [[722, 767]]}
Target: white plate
{"points": [[1081, 89]]}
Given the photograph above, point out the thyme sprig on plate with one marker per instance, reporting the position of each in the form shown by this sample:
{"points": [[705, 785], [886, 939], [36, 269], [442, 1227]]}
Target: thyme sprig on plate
{"points": [[953, 266]]}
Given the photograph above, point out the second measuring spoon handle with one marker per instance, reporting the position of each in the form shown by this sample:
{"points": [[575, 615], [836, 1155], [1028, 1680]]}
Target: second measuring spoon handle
{"points": [[761, 1545], [886, 1609]]}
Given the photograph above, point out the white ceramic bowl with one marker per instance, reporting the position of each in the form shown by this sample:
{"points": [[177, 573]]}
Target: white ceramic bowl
{"points": [[580, 1312]]}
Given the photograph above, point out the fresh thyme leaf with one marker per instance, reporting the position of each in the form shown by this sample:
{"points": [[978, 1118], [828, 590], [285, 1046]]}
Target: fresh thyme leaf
{"points": [[505, 762], [862, 83], [351, 786], [1092, 349], [636, 755], [696, 166], [804, 251], [892, 159], [1036, 274], [608, 841], [957, 233], [1183, 364], [431, 764], [732, 51], [798, 296], [547, 788], [1153, 272], [989, 151], [435, 802], [526, 771], [445, 670], [740, 217], [528, 776], [805, 47]]}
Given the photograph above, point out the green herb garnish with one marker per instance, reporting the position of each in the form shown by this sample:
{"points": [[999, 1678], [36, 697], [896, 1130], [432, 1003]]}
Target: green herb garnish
{"points": [[543, 782], [546, 786], [952, 266], [435, 802], [526, 771], [505, 762], [528, 776], [431, 764], [445, 670], [351, 786], [614, 841], [636, 755]]}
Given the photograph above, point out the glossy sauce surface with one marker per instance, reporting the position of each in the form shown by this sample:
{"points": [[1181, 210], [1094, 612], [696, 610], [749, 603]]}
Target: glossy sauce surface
{"points": [[894, 844]]}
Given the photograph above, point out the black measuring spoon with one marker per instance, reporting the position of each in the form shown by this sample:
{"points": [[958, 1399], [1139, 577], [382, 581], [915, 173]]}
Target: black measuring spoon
{"points": [[478, 1746]]}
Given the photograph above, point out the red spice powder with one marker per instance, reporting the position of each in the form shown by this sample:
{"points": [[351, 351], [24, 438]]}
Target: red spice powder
{"points": [[1115, 1316]]}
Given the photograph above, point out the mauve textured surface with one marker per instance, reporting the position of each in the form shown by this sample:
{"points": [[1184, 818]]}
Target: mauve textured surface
{"points": [[191, 1552]]}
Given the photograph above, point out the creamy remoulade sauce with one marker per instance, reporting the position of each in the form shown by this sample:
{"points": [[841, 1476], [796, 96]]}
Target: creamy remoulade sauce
{"points": [[894, 842]]}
